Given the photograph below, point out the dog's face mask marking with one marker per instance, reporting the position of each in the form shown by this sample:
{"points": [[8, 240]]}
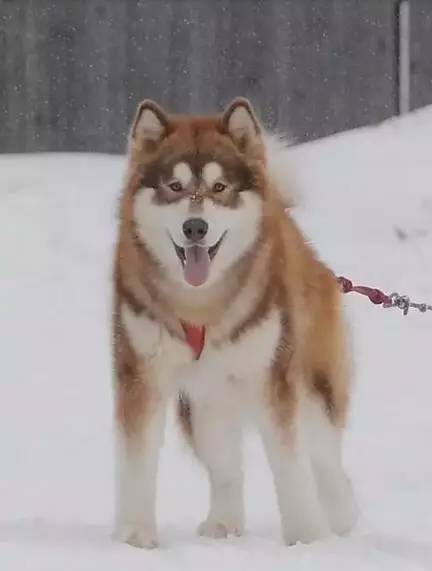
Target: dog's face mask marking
{"points": [[198, 205]]}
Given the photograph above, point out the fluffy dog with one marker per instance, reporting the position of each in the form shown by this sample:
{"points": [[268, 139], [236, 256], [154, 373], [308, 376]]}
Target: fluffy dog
{"points": [[221, 304]]}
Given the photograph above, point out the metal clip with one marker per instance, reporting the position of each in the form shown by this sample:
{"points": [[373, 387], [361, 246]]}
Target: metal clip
{"points": [[404, 303]]}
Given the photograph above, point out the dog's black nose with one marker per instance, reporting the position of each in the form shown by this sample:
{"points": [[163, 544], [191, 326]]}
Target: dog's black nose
{"points": [[195, 229]]}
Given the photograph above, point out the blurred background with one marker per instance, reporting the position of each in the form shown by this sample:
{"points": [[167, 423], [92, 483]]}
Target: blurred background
{"points": [[72, 72]]}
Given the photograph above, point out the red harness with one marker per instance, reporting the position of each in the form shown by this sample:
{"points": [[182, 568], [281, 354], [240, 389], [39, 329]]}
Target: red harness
{"points": [[195, 337]]}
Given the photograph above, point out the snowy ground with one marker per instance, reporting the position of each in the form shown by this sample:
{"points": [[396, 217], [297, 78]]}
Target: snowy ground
{"points": [[368, 207]]}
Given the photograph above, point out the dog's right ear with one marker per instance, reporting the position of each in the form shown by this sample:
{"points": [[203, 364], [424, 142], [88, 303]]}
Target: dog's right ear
{"points": [[240, 122], [150, 124]]}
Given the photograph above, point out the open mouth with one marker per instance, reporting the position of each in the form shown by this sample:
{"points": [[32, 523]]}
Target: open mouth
{"points": [[212, 251], [196, 260]]}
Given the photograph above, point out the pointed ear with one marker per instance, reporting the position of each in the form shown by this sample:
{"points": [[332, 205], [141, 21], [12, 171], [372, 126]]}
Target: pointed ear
{"points": [[239, 121], [150, 124]]}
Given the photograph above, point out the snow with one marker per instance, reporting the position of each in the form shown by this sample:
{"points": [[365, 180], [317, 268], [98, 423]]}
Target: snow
{"points": [[366, 203]]}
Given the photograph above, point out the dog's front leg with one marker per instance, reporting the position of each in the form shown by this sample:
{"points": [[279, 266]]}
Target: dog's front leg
{"points": [[140, 427]]}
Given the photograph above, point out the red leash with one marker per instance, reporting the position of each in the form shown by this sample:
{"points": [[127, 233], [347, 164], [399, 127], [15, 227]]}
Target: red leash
{"points": [[378, 297], [375, 295]]}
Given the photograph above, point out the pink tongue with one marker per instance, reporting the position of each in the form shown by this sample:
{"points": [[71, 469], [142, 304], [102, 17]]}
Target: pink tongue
{"points": [[197, 265]]}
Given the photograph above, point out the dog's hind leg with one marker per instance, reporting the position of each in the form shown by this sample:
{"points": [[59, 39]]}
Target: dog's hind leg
{"points": [[326, 408], [302, 514], [280, 422], [324, 442], [326, 411], [216, 438]]}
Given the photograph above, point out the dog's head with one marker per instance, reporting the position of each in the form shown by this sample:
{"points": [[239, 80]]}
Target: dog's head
{"points": [[199, 189]]}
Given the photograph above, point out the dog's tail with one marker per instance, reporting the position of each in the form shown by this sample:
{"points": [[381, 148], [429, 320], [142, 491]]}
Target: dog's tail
{"points": [[281, 167]]}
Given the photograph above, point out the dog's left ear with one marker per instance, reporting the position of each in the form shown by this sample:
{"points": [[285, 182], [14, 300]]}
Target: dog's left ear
{"points": [[150, 125], [239, 121]]}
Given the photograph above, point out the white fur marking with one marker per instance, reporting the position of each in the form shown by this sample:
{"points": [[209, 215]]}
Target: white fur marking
{"points": [[155, 223], [212, 172], [144, 334], [153, 343], [247, 360], [183, 173]]}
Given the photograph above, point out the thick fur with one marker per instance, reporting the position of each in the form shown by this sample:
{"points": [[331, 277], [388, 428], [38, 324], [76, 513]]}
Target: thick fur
{"points": [[275, 347]]}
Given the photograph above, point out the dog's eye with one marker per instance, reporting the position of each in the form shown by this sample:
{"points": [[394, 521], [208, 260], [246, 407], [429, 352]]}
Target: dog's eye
{"points": [[219, 187], [176, 186]]}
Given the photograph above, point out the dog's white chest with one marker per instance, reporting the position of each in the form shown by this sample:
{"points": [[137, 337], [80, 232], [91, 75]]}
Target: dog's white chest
{"points": [[233, 369], [154, 344], [226, 369]]}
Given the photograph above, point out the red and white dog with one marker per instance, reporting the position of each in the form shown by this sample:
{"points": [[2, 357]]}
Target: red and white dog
{"points": [[221, 304]]}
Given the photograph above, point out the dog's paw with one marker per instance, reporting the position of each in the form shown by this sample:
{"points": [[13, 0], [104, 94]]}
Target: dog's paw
{"points": [[342, 510], [306, 534], [218, 530], [137, 535], [344, 517]]}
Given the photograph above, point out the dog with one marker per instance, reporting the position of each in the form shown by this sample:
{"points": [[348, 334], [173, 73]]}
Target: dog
{"points": [[220, 302]]}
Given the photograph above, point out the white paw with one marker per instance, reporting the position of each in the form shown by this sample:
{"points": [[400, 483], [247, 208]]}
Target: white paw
{"points": [[305, 533], [344, 516], [341, 508], [218, 530], [137, 535]]}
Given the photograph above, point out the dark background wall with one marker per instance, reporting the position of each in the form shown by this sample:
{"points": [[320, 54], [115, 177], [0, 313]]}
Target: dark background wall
{"points": [[73, 71], [421, 52]]}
